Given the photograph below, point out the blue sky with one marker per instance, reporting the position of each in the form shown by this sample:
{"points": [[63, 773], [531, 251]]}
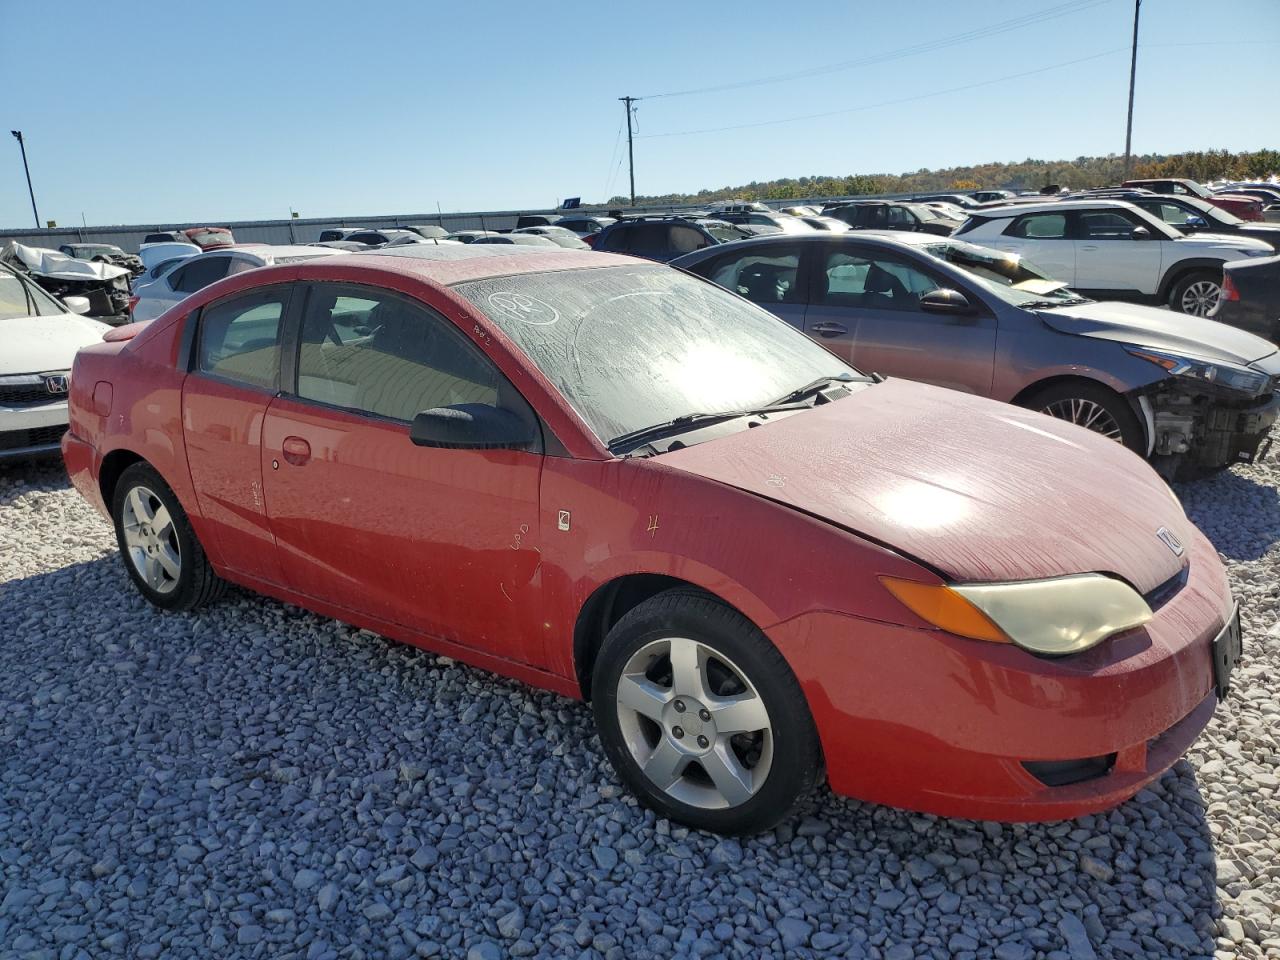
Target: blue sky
{"points": [[140, 112]]}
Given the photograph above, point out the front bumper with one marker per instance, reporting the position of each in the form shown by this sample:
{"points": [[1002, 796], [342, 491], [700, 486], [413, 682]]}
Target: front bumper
{"points": [[927, 721], [31, 430]]}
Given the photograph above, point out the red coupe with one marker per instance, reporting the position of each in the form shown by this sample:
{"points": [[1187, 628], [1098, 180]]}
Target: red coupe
{"points": [[619, 482]]}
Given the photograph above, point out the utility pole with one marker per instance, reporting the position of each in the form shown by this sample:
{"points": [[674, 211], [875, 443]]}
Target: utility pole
{"points": [[1133, 71], [631, 157], [17, 135]]}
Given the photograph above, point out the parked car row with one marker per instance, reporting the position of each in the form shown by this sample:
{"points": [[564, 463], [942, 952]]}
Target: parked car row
{"points": [[575, 459]]}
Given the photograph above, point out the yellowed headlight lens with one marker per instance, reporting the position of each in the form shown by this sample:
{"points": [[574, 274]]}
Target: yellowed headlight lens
{"points": [[1054, 617]]}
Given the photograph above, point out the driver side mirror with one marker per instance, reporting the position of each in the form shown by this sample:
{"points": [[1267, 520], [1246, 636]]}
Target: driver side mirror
{"points": [[1140, 233], [1195, 223], [470, 426], [944, 300], [76, 304]]}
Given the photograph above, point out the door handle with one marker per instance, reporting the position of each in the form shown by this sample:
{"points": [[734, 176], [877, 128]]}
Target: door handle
{"points": [[1090, 246], [829, 329], [296, 450]]}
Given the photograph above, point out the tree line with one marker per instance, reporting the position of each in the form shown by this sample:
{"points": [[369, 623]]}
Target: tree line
{"points": [[1082, 173]]}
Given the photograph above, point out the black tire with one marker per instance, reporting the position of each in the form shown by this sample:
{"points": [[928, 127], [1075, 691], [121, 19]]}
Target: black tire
{"points": [[196, 583], [1183, 300], [1056, 401], [796, 759]]}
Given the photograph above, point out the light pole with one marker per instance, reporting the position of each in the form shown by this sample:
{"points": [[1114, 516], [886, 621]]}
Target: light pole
{"points": [[17, 135], [1133, 71]]}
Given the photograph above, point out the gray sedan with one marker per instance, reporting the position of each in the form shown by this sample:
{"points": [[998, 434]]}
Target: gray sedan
{"points": [[1190, 393]]}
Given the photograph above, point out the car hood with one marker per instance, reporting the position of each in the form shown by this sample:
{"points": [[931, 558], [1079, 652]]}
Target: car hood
{"points": [[1160, 330], [975, 489], [1219, 240], [41, 344]]}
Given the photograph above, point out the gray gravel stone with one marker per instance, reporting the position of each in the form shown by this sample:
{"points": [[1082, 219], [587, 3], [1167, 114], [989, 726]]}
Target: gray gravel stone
{"points": [[257, 781]]}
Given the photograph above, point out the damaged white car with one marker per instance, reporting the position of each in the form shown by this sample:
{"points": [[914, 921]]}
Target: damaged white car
{"points": [[104, 285], [39, 337]]}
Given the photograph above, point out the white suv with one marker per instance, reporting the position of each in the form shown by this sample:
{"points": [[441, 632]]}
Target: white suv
{"points": [[1111, 250]]}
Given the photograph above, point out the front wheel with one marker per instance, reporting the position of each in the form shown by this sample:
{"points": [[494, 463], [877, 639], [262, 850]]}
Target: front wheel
{"points": [[702, 717], [160, 550], [1197, 293], [1094, 407]]}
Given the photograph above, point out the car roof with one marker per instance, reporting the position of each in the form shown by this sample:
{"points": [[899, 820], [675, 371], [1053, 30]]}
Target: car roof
{"points": [[1051, 206], [447, 265]]}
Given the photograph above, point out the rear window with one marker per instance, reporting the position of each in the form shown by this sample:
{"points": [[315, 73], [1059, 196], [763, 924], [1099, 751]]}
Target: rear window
{"points": [[210, 236]]}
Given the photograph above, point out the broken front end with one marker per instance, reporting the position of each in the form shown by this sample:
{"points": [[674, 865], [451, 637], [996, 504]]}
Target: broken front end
{"points": [[1194, 428]]}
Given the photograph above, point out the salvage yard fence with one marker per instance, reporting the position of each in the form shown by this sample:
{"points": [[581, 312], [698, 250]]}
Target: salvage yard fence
{"points": [[308, 230]]}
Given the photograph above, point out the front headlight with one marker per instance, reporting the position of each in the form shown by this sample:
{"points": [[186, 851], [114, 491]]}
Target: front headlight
{"points": [[1222, 374], [1053, 617]]}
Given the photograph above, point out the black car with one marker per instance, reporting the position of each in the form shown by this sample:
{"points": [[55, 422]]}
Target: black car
{"points": [[891, 215], [1251, 297], [959, 199], [663, 238], [537, 220], [378, 238], [1192, 215]]}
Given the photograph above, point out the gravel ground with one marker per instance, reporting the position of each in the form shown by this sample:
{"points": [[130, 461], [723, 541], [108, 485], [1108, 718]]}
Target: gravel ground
{"points": [[255, 781]]}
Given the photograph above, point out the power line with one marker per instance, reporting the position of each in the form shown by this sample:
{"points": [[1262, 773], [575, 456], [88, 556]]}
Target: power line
{"points": [[1004, 26], [888, 103]]}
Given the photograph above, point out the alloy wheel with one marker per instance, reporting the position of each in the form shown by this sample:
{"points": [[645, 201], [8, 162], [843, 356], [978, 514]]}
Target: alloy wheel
{"points": [[694, 723], [1200, 299], [151, 539], [1086, 413]]}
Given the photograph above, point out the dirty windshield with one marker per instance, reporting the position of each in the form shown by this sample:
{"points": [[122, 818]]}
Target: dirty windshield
{"points": [[633, 346]]}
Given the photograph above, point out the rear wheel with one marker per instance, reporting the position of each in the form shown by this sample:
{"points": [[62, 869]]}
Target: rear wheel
{"points": [[160, 550], [702, 717], [1094, 407], [1197, 293]]}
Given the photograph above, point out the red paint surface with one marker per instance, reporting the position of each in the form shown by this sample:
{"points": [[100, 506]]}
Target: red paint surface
{"points": [[462, 552]]}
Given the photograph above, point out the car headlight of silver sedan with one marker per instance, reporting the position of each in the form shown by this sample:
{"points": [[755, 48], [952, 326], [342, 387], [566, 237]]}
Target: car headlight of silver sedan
{"points": [[1223, 374], [1052, 617]]}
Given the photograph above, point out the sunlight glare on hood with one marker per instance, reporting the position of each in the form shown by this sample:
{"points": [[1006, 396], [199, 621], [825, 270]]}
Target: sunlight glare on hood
{"points": [[923, 505]]}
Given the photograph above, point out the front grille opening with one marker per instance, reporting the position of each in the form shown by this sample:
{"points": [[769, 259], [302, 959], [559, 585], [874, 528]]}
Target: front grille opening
{"points": [[1166, 591], [34, 437], [1061, 773]]}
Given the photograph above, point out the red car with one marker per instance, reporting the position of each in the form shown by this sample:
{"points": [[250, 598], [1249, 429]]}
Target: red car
{"points": [[1243, 206], [614, 480]]}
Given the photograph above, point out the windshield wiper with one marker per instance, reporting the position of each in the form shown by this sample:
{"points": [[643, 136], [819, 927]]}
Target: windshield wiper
{"points": [[626, 442], [689, 421], [1049, 304], [815, 386]]}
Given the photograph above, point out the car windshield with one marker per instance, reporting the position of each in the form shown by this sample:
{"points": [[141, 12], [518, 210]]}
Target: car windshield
{"points": [[923, 212], [628, 346], [1009, 276], [725, 232], [21, 298], [94, 249]]}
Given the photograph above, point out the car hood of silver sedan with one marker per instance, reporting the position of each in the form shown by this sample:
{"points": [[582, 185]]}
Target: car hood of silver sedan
{"points": [[1159, 329]]}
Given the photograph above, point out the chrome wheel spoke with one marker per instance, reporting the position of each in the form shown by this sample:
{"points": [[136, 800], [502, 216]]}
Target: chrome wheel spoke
{"points": [[642, 695], [733, 781], [741, 714], [161, 521], [688, 668], [1087, 414], [666, 764], [138, 502], [167, 560]]}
